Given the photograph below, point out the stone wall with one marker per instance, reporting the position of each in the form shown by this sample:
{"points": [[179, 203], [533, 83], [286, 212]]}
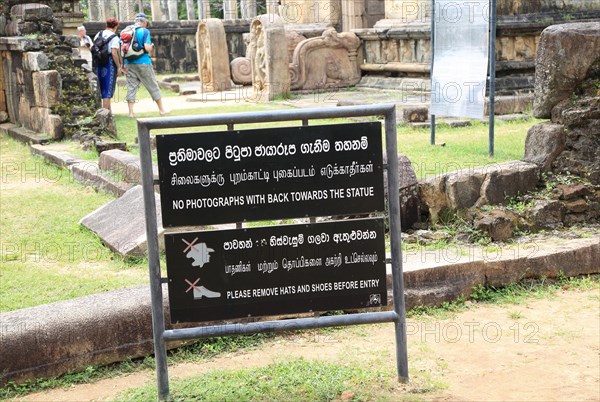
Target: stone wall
{"points": [[43, 86], [405, 51], [516, 7], [176, 42], [67, 13], [568, 92]]}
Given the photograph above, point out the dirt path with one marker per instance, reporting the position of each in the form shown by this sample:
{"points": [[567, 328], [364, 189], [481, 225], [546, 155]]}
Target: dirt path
{"points": [[542, 350]]}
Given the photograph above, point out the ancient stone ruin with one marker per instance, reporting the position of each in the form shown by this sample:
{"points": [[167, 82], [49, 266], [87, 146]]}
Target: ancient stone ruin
{"points": [[44, 86], [268, 58], [213, 58], [558, 181], [329, 61]]}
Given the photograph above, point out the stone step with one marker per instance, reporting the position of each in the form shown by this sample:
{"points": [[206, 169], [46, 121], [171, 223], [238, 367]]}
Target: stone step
{"points": [[124, 165], [23, 134], [89, 173]]}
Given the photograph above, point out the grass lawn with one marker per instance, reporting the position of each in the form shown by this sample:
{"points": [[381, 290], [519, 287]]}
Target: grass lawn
{"points": [[465, 147], [45, 254]]}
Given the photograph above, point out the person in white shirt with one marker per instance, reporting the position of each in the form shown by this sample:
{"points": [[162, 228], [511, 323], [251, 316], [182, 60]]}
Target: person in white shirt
{"points": [[85, 42]]}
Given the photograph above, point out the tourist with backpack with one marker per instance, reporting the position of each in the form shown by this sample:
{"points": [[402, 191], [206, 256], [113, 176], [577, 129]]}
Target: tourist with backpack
{"points": [[136, 49], [107, 60]]}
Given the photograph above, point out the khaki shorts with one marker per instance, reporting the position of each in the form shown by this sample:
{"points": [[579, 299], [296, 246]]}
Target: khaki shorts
{"points": [[141, 74]]}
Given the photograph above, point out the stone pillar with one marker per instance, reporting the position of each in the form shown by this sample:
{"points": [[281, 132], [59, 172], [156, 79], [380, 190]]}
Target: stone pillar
{"points": [[310, 11], [203, 9], [399, 12], [272, 6], [107, 10], [3, 105], [130, 10], [191, 13], [248, 8], [156, 10], [94, 11], [269, 59], [126, 10], [352, 15], [172, 4], [213, 57], [229, 9]]}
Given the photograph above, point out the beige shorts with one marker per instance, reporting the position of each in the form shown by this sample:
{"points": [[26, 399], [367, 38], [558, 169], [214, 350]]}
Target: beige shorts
{"points": [[141, 74]]}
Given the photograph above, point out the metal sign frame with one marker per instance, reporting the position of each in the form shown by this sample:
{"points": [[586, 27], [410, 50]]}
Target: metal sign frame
{"points": [[162, 335], [491, 73]]}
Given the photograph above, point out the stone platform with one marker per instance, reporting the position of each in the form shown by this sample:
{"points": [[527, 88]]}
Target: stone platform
{"points": [[52, 339]]}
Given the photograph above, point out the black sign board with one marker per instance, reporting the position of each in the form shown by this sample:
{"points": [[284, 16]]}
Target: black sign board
{"points": [[262, 174], [221, 274]]}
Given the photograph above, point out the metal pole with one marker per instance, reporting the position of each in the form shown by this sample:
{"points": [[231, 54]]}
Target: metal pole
{"points": [[432, 47], [396, 245], [158, 318], [492, 56]]}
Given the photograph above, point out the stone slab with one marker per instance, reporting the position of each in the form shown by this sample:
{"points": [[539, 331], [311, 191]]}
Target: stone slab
{"points": [[52, 339], [124, 165], [58, 158], [26, 136], [433, 277], [89, 173], [121, 224]]}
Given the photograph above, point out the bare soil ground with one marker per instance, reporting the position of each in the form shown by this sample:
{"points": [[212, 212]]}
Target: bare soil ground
{"points": [[542, 350]]}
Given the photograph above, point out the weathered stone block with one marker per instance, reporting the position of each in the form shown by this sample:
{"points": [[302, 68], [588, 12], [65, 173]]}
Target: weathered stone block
{"points": [[54, 127], [432, 192], [35, 61], [415, 114], [498, 225], [89, 174], [36, 118], [47, 87], [121, 224], [103, 146], [24, 111], [573, 191], [544, 142], [576, 206], [547, 213], [463, 188], [123, 164], [105, 119], [408, 194], [508, 179], [31, 12], [565, 54]]}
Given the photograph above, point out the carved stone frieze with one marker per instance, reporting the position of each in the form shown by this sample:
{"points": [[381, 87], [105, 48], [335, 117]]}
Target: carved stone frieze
{"points": [[213, 57], [328, 61]]}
